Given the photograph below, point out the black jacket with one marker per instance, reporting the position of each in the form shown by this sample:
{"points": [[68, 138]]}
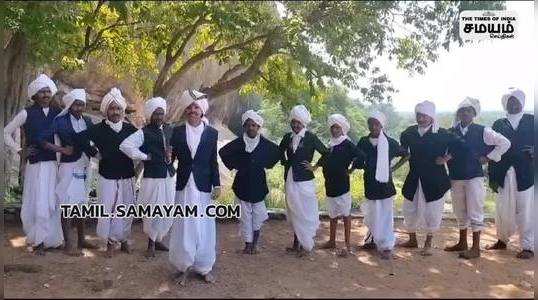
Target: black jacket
{"points": [[204, 166], [250, 183], [336, 165], [304, 152]]}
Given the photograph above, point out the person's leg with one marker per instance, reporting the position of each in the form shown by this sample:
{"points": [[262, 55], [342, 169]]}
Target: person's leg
{"points": [[475, 195], [459, 206], [259, 215], [505, 211], [245, 223], [150, 252], [81, 237], [331, 244], [410, 212], [433, 216], [524, 219], [71, 248], [384, 227]]}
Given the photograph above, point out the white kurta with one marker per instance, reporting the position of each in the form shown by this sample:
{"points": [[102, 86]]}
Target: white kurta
{"points": [[339, 206], [419, 214], [515, 212], [153, 191], [378, 216], [302, 209], [193, 239], [468, 195], [40, 215], [112, 192], [73, 176], [252, 217]]}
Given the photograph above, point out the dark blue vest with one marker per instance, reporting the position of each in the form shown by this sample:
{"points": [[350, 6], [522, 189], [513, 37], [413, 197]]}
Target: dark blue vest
{"points": [[335, 167], [64, 128], [467, 165], [37, 130], [154, 139]]}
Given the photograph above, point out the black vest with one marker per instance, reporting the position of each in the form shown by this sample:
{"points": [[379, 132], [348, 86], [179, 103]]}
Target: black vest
{"points": [[423, 153], [336, 165], [64, 128], [373, 189], [304, 152], [37, 130], [250, 183], [467, 165], [154, 139], [515, 156]]}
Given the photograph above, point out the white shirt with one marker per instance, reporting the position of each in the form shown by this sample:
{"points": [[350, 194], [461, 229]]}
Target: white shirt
{"points": [[251, 143], [79, 125], [131, 146], [296, 138], [423, 130], [194, 134]]}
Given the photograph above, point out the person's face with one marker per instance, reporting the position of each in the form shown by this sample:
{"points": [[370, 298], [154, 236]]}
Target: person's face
{"points": [[43, 97], [513, 106], [466, 115], [77, 108], [114, 112], [251, 128], [157, 117], [374, 126], [194, 113], [336, 131], [296, 126], [424, 120]]}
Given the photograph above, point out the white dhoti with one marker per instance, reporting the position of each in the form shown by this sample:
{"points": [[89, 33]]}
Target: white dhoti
{"points": [[419, 214], [378, 216], [111, 193], [252, 217], [468, 202], [40, 215], [72, 177], [157, 192], [515, 212], [193, 239], [302, 210], [339, 206]]}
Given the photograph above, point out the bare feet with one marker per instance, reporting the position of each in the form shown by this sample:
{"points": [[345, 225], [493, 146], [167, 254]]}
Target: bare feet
{"points": [[39, 250], [457, 247], [150, 253], [427, 250], [247, 249], [253, 250], [292, 249], [109, 250], [469, 254], [302, 252], [328, 245], [525, 254], [125, 247], [368, 246], [209, 278], [411, 243], [160, 247], [71, 250], [385, 254], [499, 245], [181, 278]]}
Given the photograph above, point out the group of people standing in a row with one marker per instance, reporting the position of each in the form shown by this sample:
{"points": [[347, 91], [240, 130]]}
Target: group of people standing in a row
{"points": [[507, 148]]}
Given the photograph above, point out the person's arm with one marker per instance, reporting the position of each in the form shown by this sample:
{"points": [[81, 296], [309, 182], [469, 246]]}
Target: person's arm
{"points": [[404, 148], [229, 156], [131, 146], [498, 140], [455, 147], [17, 122], [58, 132], [358, 159], [82, 140], [282, 147], [273, 156], [321, 149], [215, 176]]}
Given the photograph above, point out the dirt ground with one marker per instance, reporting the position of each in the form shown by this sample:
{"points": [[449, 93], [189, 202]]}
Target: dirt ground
{"points": [[270, 274]]}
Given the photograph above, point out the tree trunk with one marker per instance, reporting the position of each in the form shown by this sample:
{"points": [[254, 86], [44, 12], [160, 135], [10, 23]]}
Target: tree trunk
{"points": [[13, 81]]}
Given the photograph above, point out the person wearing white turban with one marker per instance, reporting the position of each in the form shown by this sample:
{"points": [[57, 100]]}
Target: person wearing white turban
{"points": [[194, 144], [151, 144], [468, 191], [427, 182], [336, 164], [297, 148], [74, 168], [40, 214], [512, 178], [250, 155], [116, 170], [378, 150]]}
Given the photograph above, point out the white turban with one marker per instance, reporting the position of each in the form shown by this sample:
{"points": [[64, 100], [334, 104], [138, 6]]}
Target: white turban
{"points": [[113, 96], [428, 108], [340, 121], [193, 96], [151, 105], [254, 116], [42, 81], [379, 116], [69, 98], [382, 163], [301, 114], [468, 102], [513, 92]]}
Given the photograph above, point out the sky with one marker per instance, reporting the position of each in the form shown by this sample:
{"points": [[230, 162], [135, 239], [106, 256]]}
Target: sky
{"points": [[482, 70]]}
